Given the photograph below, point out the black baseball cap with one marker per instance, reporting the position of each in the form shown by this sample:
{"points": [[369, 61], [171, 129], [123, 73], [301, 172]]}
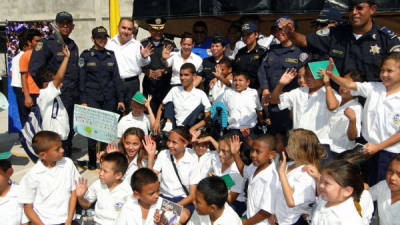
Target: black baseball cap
{"points": [[64, 16], [352, 3], [328, 15], [99, 32]]}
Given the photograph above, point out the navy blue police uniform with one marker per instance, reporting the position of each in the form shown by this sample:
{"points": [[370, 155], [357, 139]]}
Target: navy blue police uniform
{"points": [[208, 68]]}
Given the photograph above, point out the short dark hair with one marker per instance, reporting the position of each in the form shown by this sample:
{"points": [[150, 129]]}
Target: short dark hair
{"points": [[189, 66], [395, 158], [214, 190], [31, 33], [268, 140], [45, 74], [184, 132], [218, 39], [200, 24], [245, 74], [119, 159], [126, 18], [227, 62], [43, 141], [141, 177], [357, 76], [187, 35], [5, 164]]}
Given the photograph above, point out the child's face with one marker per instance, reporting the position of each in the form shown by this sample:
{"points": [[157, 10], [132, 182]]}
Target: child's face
{"points": [[132, 145], [149, 193], [260, 153], [175, 144], [240, 83], [137, 109], [225, 69], [107, 174], [224, 152], [393, 176], [186, 78], [331, 191], [54, 153], [301, 77], [311, 82], [201, 205], [345, 92], [390, 73], [200, 148]]}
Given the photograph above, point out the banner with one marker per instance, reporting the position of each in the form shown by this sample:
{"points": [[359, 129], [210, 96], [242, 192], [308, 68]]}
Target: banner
{"points": [[95, 123]]}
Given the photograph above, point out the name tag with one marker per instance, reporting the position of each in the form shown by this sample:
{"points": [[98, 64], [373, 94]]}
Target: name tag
{"points": [[91, 64], [291, 60], [60, 54], [110, 64], [337, 52]]}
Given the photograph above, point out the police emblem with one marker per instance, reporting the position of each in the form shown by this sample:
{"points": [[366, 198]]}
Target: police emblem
{"points": [[323, 32], [81, 62], [158, 21], [39, 46], [396, 118], [118, 206], [303, 57], [375, 49], [209, 52]]}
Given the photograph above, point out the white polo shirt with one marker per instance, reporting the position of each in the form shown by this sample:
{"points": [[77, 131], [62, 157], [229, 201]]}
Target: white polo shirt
{"points": [[309, 111], [131, 213], [367, 207], [261, 190], [186, 101], [381, 114], [128, 121], [389, 214], [206, 161], [11, 211], [129, 59], [132, 167], [339, 124], [49, 190], [45, 101], [344, 213], [108, 203], [241, 107], [304, 189], [16, 75], [229, 216], [176, 61], [187, 168]]}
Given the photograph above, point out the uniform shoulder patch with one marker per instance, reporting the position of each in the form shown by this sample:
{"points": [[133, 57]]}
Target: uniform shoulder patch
{"points": [[39, 46], [323, 32], [303, 57], [395, 48], [81, 62], [388, 32]]}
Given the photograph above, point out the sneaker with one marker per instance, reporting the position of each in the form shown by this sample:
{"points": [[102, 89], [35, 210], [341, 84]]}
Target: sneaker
{"points": [[167, 127]]}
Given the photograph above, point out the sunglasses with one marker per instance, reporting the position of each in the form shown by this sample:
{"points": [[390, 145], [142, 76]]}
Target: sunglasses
{"points": [[199, 31]]}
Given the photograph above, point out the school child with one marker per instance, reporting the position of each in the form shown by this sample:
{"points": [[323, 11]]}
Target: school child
{"points": [[109, 191], [178, 166], [140, 207], [48, 189], [298, 188], [381, 117], [11, 210], [222, 80], [137, 118], [206, 157], [387, 194], [301, 72], [211, 206], [263, 180]]}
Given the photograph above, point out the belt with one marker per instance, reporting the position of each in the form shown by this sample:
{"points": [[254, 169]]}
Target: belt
{"points": [[130, 78]]}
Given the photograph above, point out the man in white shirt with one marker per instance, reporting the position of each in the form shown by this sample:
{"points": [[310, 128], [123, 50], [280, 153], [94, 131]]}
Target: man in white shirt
{"points": [[16, 81], [131, 57]]}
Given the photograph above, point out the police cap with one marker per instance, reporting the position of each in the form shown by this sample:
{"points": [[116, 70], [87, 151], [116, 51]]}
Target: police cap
{"points": [[249, 28], [99, 32], [157, 23], [63, 16], [328, 15], [356, 2]]}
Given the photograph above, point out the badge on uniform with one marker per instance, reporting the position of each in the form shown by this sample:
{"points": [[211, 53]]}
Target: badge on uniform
{"points": [[303, 57], [291, 60], [39, 46], [110, 64], [323, 32], [60, 54], [91, 64], [396, 119], [255, 57], [209, 52], [375, 49], [81, 62]]}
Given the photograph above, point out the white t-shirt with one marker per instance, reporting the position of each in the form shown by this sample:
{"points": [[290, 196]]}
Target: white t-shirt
{"points": [[16, 75], [108, 203], [229, 216], [304, 188], [381, 114], [186, 101], [309, 111], [48, 107], [11, 211], [367, 207], [389, 214], [131, 213], [261, 190], [132, 167], [206, 161], [49, 190], [230, 53], [128, 121], [217, 92], [342, 214], [187, 168], [176, 61], [242, 107]]}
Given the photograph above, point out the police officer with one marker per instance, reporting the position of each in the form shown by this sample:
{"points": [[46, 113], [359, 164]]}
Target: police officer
{"points": [[327, 17], [48, 53], [99, 82], [157, 77], [357, 45], [277, 60], [249, 58]]}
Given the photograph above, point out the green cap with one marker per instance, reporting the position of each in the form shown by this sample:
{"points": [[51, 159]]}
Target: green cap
{"points": [[5, 155], [139, 98]]}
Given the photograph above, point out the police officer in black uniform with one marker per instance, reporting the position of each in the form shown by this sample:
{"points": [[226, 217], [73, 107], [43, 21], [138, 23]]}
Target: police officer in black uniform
{"points": [[99, 82], [249, 58], [156, 81], [357, 45], [48, 53]]}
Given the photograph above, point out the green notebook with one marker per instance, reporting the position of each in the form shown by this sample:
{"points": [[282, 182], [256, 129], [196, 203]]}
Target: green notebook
{"points": [[316, 66], [228, 180]]}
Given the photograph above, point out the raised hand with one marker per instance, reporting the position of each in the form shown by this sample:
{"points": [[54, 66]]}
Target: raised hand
{"points": [[288, 76], [312, 171], [166, 52], [282, 166], [245, 131], [147, 103], [65, 51], [218, 71], [146, 51], [234, 144], [286, 26], [149, 145], [213, 82], [195, 135], [81, 187]]}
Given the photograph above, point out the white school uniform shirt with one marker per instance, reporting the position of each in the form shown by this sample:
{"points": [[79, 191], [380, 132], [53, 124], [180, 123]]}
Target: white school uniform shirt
{"points": [[381, 114], [45, 101], [128, 121], [389, 214], [261, 190], [108, 203], [367, 207], [339, 123], [132, 167], [309, 111], [11, 211], [129, 59], [16, 75], [217, 92], [187, 168], [343, 214], [205, 163], [131, 213], [234, 172], [230, 53], [186, 101], [176, 61], [49, 190], [229, 216], [304, 189], [241, 107]]}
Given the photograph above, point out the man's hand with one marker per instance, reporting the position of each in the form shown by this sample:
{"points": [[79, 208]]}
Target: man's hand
{"points": [[166, 52], [146, 51], [156, 74], [28, 101], [286, 26]]}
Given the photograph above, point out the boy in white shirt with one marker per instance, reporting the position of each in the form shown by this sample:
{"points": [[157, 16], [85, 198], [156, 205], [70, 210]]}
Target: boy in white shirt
{"points": [[210, 204], [48, 189], [11, 210], [109, 190]]}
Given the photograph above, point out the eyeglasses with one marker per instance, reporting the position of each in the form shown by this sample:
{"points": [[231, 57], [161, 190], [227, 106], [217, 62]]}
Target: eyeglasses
{"points": [[199, 31]]}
